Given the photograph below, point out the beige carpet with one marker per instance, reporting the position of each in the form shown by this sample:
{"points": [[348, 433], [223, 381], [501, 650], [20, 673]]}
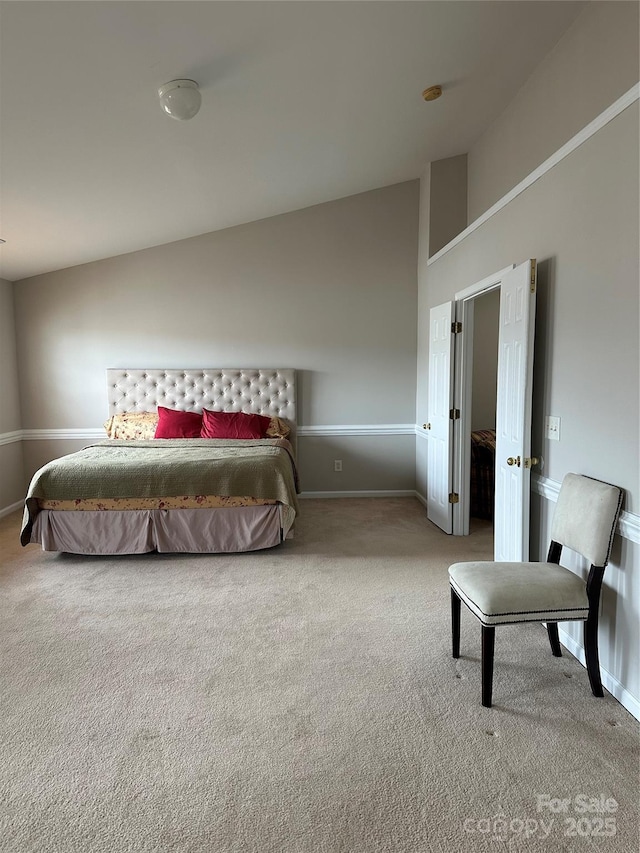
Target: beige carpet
{"points": [[301, 700]]}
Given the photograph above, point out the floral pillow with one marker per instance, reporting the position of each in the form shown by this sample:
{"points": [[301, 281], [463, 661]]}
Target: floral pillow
{"points": [[132, 425], [277, 429]]}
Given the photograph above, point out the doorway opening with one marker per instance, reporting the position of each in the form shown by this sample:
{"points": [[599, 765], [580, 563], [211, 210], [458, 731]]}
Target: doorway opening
{"points": [[485, 308], [450, 394], [476, 394]]}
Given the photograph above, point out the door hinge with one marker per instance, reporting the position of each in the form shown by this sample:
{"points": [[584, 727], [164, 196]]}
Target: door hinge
{"points": [[454, 414], [533, 275], [454, 497], [456, 328]]}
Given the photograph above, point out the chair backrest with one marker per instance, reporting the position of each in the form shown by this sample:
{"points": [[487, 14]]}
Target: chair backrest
{"points": [[585, 517]]}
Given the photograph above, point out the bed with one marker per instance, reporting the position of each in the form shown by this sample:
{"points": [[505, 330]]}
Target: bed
{"points": [[133, 493], [483, 467]]}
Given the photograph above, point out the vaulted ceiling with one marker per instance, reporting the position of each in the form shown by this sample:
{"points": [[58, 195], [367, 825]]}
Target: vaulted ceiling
{"points": [[302, 102]]}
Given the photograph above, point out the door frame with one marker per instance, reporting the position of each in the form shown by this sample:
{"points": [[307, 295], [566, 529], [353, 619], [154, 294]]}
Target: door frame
{"points": [[441, 435], [462, 393]]}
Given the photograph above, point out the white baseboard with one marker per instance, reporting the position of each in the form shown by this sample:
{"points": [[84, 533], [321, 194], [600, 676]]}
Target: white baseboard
{"points": [[371, 493], [617, 690], [12, 508], [629, 528]]}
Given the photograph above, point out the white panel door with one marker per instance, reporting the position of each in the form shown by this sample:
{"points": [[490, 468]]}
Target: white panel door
{"points": [[440, 401], [513, 412]]}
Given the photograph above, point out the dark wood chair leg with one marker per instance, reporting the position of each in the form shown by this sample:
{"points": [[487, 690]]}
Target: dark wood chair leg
{"points": [[554, 639], [455, 623], [488, 643], [591, 654]]}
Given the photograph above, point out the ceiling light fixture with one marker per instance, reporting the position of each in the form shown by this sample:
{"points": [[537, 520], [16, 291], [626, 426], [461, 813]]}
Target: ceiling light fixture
{"points": [[180, 99], [432, 93]]}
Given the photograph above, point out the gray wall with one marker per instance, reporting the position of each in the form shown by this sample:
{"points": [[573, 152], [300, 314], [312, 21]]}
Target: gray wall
{"points": [[581, 222], [10, 409], [12, 480], [594, 63], [486, 311], [448, 201], [330, 290]]}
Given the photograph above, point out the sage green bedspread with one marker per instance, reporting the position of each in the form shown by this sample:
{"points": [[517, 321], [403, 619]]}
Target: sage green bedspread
{"points": [[263, 468]]}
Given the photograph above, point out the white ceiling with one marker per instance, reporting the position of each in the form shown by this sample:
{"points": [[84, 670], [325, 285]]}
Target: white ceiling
{"points": [[303, 102]]}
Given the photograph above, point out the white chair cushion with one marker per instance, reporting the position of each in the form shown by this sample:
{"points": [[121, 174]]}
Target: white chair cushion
{"points": [[504, 593]]}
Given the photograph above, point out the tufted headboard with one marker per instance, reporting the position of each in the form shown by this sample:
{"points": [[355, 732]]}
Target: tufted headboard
{"points": [[264, 391]]}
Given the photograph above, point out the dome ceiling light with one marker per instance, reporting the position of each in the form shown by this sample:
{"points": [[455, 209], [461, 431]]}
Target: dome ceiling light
{"points": [[180, 99]]}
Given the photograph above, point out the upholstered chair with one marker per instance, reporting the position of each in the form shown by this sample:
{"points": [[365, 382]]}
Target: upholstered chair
{"points": [[584, 520]]}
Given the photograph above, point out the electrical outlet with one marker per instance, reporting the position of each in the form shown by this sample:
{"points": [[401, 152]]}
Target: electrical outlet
{"points": [[552, 428], [337, 464]]}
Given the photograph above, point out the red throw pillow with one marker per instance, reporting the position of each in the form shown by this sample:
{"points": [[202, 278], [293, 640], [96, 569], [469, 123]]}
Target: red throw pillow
{"points": [[233, 425], [176, 424]]}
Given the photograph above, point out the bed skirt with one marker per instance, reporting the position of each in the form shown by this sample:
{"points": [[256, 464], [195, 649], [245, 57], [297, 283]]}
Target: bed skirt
{"points": [[191, 531]]}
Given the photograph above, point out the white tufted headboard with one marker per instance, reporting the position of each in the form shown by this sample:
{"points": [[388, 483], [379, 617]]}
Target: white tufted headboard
{"points": [[263, 391]]}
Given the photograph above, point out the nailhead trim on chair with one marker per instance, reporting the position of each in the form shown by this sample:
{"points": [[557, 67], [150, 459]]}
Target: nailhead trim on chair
{"points": [[577, 614]]}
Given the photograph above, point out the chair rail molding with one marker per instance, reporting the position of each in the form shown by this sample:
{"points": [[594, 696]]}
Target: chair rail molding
{"points": [[91, 433], [356, 429], [48, 434], [628, 523], [10, 437]]}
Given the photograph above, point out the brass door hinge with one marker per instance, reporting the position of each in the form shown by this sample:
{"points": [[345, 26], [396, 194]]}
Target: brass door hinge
{"points": [[456, 328], [454, 497], [454, 414], [534, 267]]}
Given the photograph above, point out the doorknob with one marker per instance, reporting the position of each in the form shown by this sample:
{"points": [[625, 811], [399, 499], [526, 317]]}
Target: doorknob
{"points": [[426, 426], [512, 461], [530, 462]]}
